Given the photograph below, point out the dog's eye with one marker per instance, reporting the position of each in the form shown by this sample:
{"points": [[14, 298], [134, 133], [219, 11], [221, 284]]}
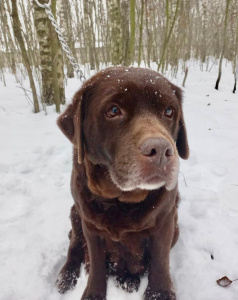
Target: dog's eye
{"points": [[169, 112], [113, 111]]}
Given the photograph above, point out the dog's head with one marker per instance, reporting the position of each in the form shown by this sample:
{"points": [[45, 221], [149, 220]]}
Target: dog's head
{"points": [[128, 123]]}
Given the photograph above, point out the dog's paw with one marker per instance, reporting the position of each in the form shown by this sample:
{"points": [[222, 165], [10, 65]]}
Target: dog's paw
{"points": [[161, 295], [128, 282], [67, 278]]}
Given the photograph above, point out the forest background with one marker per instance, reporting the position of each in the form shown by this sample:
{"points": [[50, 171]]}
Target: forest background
{"points": [[169, 33]]}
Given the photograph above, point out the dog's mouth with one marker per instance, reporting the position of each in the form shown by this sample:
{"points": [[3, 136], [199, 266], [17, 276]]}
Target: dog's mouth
{"points": [[152, 183], [147, 177]]}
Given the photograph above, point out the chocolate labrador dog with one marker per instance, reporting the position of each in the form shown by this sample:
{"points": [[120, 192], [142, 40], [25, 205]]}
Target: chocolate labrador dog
{"points": [[127, 129]]}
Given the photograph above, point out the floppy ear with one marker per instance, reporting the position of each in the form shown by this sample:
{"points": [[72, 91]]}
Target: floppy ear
{"points": [[71, 124], [182, 141]]}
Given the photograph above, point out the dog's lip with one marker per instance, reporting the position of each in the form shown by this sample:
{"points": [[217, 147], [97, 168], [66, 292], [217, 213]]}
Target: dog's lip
{"points": [[151, 171], [144, 182], [155, 178]]}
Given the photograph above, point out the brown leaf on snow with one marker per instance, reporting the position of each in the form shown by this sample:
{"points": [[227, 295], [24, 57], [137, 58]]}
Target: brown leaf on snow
{"points": [[224, 281]]}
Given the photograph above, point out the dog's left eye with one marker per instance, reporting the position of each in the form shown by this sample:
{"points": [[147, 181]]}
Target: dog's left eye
{"points": [[169, 112], [113, 111]]}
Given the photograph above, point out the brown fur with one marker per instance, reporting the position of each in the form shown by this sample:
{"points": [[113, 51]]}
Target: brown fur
{"points": [[124, 220]]}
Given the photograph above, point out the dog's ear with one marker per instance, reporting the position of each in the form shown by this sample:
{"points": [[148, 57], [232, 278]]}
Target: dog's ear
{"points": [[182, 141], [71, 124]]}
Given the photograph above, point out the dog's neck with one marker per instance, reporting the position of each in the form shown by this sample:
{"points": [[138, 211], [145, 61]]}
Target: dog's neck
{"points": [[100, 184]]}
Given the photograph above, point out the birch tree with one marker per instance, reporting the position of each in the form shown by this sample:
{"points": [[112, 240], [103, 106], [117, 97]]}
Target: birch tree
{"points": [[88, 38], [125, 32], [141, 32], [7, 38], [67, 31], [224, 44], [51, 59], [132, 30], [42, 25], [18, 34], [116, 34], [168, 32]]}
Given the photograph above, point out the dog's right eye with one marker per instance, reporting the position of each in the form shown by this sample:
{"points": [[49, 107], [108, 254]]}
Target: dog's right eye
{"points": [[113, 111]]}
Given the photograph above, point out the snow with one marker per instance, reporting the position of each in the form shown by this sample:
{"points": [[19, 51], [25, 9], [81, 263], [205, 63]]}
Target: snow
{"points": [[35, 199]]}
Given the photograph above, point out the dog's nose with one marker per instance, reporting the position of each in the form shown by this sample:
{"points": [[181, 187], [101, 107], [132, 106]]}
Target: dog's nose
{"points": [[158, 150]]}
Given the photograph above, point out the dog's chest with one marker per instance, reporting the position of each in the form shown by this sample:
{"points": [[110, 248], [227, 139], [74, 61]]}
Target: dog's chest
{"points": [[120, 221], [130, 253]]}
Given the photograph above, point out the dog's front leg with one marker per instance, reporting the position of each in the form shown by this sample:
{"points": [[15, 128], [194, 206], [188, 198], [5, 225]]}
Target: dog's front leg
{"points": [[96, 286], [160, 285]]}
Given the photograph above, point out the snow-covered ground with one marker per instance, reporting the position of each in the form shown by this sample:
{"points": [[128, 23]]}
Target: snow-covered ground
{"points": [[35, 199]]}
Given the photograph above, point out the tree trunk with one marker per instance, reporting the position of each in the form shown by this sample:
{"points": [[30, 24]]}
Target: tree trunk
{"points": [[224, 45], [141, 30], [42, 25], [95, 55], [185, 76], [10, 49], [235, 77], [88, 39], [116, 37], [133, 31], [51, 58], [166, 31], [167, 37], [235, 54], [125, 32], [67, 32], [148, 33], [18, 34], [57, 63]]}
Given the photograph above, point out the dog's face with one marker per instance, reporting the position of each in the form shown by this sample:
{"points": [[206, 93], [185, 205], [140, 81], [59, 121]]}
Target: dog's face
{"points": [[130, 121]]}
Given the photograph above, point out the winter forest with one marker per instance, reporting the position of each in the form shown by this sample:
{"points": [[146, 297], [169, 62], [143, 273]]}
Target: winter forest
{"points": [[193, 43], [99, 33]]}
